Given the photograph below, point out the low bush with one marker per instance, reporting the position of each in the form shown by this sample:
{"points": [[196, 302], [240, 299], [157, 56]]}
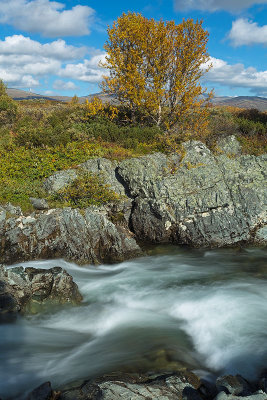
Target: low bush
{"points": [[87, 189]]}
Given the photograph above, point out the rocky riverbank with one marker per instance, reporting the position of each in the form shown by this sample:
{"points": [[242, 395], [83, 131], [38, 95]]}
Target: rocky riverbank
{"points": [[197, 199], [184, 385]]}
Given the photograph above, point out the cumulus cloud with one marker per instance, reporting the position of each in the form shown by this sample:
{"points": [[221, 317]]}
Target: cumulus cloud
{"points": [[21, 45], [216, 5], [245, 32], [87, 71], [16, 79], [24, 61], [62, 85], [237, 75], [48, 18]]}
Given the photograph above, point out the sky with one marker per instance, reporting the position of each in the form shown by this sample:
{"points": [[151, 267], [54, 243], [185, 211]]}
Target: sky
{"points": [[54, 47]]}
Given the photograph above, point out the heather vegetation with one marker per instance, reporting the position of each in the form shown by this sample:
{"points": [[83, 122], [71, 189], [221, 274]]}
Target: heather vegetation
{"points": [[40, 137]]}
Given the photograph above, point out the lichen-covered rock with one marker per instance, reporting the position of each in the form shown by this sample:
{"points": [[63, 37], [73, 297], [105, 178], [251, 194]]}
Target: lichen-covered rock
{"points": [[229, 145], [39, 204], [261, 235], [59, 180], [106, 170], [31, 288], [10, 209], [206, 201], [88, 237]]}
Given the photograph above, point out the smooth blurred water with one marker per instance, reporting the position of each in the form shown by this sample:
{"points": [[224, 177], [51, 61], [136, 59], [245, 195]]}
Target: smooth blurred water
{"points": [[204, 309]]}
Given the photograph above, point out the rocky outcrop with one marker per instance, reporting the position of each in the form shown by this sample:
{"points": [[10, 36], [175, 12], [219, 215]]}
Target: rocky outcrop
{"points": [[196, 198], [183, 385], [87, 237], [229, 145], [205, 200], [31, 289]]}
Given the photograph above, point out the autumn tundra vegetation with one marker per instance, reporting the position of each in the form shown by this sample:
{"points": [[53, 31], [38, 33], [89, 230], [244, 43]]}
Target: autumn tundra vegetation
{"points": [[154, 73]]}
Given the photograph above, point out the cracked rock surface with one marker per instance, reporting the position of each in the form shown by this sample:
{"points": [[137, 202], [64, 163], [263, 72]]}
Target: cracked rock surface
{"points": [[206, 200]]}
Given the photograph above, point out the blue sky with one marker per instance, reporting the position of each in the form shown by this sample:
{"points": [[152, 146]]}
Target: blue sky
{"points": [[54, 47]]}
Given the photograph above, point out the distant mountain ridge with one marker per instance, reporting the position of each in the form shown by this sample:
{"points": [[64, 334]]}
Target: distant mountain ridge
{"points": [[260, 103]]}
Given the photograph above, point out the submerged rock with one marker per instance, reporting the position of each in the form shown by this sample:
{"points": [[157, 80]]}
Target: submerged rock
{"points": [[30, 289], [42, 392]]}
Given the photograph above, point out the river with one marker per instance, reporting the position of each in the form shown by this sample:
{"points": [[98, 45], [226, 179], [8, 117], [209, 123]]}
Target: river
{"points": [[206, 309]]}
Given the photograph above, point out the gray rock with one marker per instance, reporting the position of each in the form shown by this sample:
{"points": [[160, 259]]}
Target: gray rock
{"points": [[88, 237], [9, 208], [235, 385], [39, 204], [138, 173], [30, 289], [256, 396], [179, 386], [106, 170], [42, 392], [229, 145], [59, 180], [261, 235], [206, 201]]}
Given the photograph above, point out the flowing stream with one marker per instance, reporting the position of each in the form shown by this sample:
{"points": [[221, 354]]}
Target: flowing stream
{"points": [[206, 309]]}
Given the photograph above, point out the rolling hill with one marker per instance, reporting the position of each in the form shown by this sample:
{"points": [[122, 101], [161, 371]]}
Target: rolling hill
{"points": [[260, 103]]}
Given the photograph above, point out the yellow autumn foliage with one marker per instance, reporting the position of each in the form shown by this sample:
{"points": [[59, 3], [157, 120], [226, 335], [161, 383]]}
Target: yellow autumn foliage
{"points": [[156, 66], [97, 107]]}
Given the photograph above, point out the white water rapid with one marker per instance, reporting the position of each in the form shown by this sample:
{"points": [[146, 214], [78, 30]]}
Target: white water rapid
{"points": [[205, 309]]}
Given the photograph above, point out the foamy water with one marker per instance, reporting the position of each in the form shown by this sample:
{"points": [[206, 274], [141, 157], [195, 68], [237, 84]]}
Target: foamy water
{"points": [[207, 309]]}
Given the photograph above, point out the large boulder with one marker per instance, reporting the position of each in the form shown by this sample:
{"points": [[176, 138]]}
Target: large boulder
{"points": [[206, 200], [31, 289], [87, 237]]}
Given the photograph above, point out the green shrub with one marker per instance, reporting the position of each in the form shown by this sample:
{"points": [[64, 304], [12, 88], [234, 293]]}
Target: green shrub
{"points": [[87, 189], [249, 127], [8, 107], [127, 136]]}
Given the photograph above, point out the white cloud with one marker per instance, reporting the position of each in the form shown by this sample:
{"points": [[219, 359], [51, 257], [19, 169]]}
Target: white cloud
{"points": [[46, 17], [245, 32], [24, 61], [87, 71], [237, 75], [62, 85], [16, 79], [215, 5], [21, 45]]}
